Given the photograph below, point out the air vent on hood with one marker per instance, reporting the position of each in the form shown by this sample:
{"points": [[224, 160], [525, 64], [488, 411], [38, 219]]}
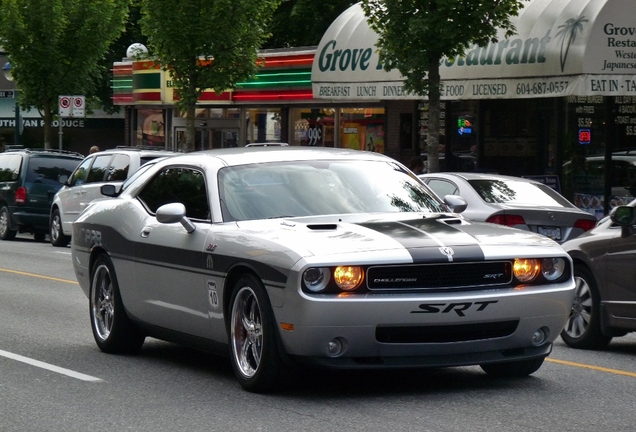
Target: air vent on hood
{"points": [[322, 226]]}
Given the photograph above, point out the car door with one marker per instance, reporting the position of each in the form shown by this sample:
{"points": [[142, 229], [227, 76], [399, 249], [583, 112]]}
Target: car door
{"points": [[620, 275], [171, 288], [97, 174]]}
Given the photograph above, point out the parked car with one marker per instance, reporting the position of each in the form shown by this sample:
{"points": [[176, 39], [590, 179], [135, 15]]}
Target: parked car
{"points": [[461, 162], [335, 257], [605, 302], [113, 166], [28, 182], [514, 201]]}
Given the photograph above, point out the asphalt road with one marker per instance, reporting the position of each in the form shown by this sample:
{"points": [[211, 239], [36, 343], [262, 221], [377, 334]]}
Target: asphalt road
{"points": [[53, 378]]}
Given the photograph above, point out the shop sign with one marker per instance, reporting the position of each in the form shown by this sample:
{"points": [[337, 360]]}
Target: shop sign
{"points": [[562, 48]]}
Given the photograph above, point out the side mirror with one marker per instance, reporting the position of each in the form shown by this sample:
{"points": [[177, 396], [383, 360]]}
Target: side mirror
{"points": [[175, 212], [456, 203], [109, 190], [624, 216], [62, 178]]}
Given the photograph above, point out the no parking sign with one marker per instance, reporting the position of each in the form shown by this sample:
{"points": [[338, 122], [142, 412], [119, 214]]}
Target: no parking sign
{"points": [[72, 106]]}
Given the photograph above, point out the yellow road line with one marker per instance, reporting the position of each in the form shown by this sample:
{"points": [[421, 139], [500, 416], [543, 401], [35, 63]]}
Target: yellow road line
{"points": [[597, 368], [38, 276]]}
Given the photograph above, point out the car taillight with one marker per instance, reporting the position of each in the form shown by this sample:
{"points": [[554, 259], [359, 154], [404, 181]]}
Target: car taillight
{"points": [[585, 224], [509, 220], [21, 195]]}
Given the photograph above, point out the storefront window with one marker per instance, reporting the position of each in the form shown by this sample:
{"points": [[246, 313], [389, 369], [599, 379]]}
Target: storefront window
{"points": [[263, 125], [363, 128], [312, 126], [150, 128]]}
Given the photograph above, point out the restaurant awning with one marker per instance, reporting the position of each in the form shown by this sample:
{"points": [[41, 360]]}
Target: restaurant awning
{"points": [[562, 48]]}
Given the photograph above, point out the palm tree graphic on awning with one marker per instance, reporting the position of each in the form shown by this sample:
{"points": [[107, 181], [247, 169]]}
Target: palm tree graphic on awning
{"points": [[568, 32]]}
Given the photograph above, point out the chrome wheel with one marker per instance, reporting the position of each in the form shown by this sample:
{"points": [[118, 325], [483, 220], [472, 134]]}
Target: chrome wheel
{"points": [[581, 314], [246, 332], [102, 302]]}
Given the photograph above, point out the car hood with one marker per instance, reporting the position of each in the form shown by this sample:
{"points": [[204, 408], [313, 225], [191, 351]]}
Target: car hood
{"points": [[424, 237]]}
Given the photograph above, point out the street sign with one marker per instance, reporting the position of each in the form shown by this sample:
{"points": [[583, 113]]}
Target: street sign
{"points": [[72, 106], [7, 94]]}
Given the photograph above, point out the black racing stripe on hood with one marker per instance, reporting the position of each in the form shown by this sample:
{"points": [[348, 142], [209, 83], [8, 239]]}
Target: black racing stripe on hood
{"points": [[430, 240]]}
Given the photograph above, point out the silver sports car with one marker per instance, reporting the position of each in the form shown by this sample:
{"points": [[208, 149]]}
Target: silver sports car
{"points": [[283, 256]]}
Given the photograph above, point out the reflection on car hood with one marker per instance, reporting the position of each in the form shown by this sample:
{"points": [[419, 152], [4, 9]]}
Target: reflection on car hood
{"points": [[421, 236]]}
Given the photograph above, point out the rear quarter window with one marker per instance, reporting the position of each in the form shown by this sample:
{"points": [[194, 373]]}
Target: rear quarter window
{"points": [[48, 169], [10, 167]]}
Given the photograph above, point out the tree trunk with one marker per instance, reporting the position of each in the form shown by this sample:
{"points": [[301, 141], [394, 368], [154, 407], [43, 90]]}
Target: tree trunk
{"points": [[189, 141], [48, 127], [432, 143]]}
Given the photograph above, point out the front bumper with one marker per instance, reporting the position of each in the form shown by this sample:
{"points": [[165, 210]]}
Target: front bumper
{"points": [[392, 331]]}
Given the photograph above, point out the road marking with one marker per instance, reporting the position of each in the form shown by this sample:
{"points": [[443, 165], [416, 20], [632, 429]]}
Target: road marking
{"points": [[53, 368], [597, 368], [38, 276]]}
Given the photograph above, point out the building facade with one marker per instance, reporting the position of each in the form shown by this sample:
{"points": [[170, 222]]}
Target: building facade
{"points": [[556, 102]]}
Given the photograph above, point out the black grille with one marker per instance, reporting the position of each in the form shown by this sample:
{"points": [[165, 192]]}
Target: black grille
{"points": [[439, 276], [445, 333]]}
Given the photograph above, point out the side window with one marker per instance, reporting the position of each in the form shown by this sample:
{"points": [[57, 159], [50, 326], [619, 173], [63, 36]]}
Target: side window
{"points": [[98, 170], [10, 167], [183, 185], [442, 187], [79, 175], [118, 169]]}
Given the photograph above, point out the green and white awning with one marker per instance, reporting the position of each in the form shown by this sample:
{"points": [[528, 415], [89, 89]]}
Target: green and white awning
{"points": [[562, 48]]}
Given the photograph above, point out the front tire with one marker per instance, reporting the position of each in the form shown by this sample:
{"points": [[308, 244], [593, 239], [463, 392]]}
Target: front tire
{"points": [[253, 344], [57, 234], [113, 331], [583, 327], [513, 369], [6, 233]]}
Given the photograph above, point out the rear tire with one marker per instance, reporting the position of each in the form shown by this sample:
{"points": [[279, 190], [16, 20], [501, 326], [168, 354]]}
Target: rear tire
{"points": [[253, 343], [113, 331], [57, 234], [583, 327], [6, 233], [513, 369]]}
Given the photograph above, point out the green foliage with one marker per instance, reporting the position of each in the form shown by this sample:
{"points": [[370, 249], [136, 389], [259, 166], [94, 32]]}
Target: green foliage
{"points": [[205, 44], [299, 23], [415, 35], [55, 46]]}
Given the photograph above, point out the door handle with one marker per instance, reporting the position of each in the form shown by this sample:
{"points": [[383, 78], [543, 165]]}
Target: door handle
{"points": [[146, 232]]}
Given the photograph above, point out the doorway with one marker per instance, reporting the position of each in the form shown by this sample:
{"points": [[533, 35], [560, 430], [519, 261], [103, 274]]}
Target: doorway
{"points": [[206, 138]]}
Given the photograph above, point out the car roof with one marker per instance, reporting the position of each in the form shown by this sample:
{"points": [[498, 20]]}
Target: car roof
{"points": [[235, 156], [43, 152], [477, 176], [142, 151]]}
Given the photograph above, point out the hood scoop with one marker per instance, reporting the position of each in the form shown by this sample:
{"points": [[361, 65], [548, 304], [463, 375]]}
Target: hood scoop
{"points": [[322, 227]]}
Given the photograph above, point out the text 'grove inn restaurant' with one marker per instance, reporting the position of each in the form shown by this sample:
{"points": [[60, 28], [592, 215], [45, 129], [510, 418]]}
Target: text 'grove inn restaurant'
{"points": [[561, 92]]}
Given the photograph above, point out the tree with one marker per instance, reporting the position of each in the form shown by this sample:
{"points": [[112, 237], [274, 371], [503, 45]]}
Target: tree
{"points": [[205, 45], [304, 22], [54, 47], [415, 35]]}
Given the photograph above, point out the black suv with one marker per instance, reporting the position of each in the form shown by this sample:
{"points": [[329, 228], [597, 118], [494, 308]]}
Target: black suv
{"points": [[28, 182]]}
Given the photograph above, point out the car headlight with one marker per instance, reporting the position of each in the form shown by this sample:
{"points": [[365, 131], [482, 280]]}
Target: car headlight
{"points": [[348, 278], [526, 270], [316, 279], [552, 268]]}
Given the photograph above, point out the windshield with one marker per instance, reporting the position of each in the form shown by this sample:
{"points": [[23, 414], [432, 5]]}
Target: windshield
{"points": [[313, 188]]}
